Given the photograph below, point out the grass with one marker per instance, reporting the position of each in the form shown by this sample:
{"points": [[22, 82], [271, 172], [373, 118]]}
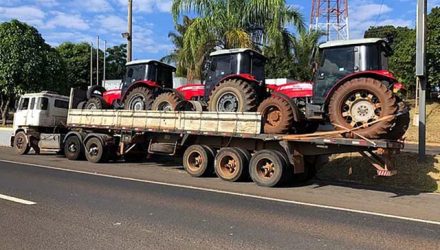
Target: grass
{"points": [[432, 121], [412, 175]]}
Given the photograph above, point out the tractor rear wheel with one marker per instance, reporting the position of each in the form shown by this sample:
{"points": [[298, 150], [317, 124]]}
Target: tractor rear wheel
{"points": [[277, 115], [360, 104], [140, 98], [234, 95], [166, 102]]}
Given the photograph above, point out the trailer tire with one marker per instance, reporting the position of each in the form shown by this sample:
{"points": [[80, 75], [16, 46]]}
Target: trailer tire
{"points": [[166, 102], [277, 115], [359, 102], [233, 95], [198, 161], [95, 151], [268, 168], [231, 165], [73, 148], [21, 143]]}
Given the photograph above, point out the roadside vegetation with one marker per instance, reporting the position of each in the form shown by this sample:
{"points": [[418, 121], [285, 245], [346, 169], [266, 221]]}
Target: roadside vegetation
{"points": [[412, 175], [432, 121]]}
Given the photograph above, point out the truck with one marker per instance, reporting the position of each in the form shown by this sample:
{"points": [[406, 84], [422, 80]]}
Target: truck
{"points": [[230, 145]]}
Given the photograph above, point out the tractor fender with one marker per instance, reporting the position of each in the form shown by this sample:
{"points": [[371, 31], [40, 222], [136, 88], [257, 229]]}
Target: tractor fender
{"points": [[296, 113], [245, 77], [381, 75], [147, 83], [96, 88]]}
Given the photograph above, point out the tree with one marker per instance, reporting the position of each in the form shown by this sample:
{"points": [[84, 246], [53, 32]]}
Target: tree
{"points": [[403, 43], [296, 62], [116, 60], [234, 23], [77, 62], [176, 56], [27, 63], [433, 48]]}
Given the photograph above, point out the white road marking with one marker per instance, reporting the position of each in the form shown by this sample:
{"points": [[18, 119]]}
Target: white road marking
{"points": [[17, 200], [235, 194]]}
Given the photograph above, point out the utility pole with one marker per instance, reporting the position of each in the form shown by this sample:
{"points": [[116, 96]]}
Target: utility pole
{"points": [[91, 64], [105, 55], [331, 17], [129, 34], [421, 73], [97, 63]]}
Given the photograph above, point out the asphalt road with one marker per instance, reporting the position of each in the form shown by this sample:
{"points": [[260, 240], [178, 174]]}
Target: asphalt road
{"points": [[82, 211]]}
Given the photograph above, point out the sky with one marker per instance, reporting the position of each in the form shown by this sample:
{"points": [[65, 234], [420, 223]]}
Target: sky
{"points": [[83, 20]]}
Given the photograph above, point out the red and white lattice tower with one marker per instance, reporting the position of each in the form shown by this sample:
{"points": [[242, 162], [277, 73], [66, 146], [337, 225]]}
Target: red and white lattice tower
{"points": [[330, 17]]}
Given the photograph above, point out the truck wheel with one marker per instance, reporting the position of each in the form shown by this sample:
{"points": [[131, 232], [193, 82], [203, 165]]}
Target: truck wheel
{"points": [[268, 168], [231, 165], [362, 101], [140, 98], [95, 103], [401, 124], [95, 90], [73, 148], [233, 95], [166, 102], [21, 144], [277, 115], [95, 152], [198, 160]]}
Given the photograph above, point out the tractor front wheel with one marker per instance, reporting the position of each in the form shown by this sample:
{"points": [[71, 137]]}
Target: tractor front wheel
{"points": [[166, 102], [362, 104], [234, 95], [95, 103], [140, 98], [277, 115]]}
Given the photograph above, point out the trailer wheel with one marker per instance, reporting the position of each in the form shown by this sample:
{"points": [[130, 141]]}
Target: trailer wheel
{"points": [[268, 168], [166, 102], [198, 160], [140, 98], [361, 101], [233, 95], [95, 151], [21, 144], [73, 148], [277, 115], [231, 165]]}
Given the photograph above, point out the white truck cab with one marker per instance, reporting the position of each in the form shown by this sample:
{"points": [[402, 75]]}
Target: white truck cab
{"points": [[38, 114]]}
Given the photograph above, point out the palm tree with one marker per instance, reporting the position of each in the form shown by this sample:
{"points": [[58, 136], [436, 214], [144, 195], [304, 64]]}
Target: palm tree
{"points": [[177, 39], [303, 50], [234, 23]]}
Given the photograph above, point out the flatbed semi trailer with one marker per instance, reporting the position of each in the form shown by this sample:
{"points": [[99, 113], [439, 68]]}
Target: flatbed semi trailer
{"points": [[229, 145]]}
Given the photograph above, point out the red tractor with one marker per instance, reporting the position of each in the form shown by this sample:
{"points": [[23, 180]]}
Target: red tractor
{"points": [[353, 90], [145, 81]]}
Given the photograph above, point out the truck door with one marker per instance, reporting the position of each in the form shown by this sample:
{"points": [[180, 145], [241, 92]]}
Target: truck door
{"points": [[31, 117], [20, 117]]}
